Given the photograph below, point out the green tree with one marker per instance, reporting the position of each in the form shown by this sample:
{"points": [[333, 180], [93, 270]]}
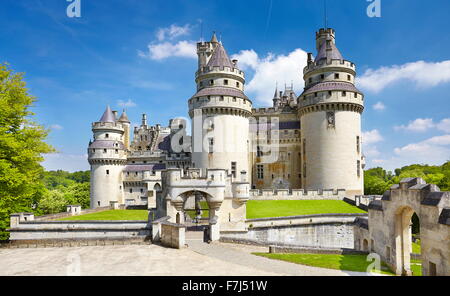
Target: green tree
{"points": [[21, 148]]}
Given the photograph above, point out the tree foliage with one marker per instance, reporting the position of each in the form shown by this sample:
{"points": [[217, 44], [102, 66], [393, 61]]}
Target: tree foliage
{"points": [[21, 148], [377, 180]]}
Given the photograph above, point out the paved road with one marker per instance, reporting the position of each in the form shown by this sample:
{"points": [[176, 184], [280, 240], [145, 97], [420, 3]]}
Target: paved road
{"points": [[217, 259], [241, 255]]}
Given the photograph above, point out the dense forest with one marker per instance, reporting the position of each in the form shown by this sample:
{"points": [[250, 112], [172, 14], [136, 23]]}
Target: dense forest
{"points": [[378, 180], [62, 189]]}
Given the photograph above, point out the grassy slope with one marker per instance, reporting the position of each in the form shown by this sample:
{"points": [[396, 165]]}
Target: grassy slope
{"points": [[341, 262], [112, 215], [281, 208]]}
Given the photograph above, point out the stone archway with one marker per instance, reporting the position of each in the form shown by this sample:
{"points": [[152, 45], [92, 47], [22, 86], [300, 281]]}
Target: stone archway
{"points": [[365, 245], [403, 239], [388, 227]]}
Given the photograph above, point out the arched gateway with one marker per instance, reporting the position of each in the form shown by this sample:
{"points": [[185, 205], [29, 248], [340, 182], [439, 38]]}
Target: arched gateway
{"points": [[226, 198], [389, 227]]}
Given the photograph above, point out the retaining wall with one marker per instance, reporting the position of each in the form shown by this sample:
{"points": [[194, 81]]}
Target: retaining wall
{"points": [[316, 231]]}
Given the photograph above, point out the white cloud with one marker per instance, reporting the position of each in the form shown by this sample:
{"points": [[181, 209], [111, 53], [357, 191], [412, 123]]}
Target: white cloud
{"points": [[173, 31], [127, 104], [160, 51], [379, 106], [428, 150], [272, 69], [165, 46], [444, 125], [66, 162], [56, 127], [425, 124], [371, 137], [418, 125], [421, 73]]}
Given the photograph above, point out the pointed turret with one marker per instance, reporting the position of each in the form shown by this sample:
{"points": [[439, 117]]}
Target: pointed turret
{"points": [[124, 117], [214, 38], [220, 58], [108, 116], [276, 98]]}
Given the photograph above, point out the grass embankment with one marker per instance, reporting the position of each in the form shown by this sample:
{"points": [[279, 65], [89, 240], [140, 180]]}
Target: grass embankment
{"points": [[111, 215], [283, 208], [331, 261]]}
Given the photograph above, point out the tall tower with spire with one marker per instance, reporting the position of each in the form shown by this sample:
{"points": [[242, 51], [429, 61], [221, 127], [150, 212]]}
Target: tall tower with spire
{"points": [[220, 112], [330, 109], [107, 155]]}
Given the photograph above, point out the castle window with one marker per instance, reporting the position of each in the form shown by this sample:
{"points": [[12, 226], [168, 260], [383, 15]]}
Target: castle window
{"points": [[117, 151], [356, 95], [273, 176], [128, 173], [225, 82], [142, 190], [104, 150], [358, 168], [336, 76], [233, 169], [234, 99], [131, 190], [221, 98], [260, 171], [98, 203], [107, 172], [329, 93], [357, 144], [322, 77], [145, 161], [237, 84], [106, 135], [344, 93], [259, 153], [211, 145], [211, 82], [310, 80], [349, 77], [315, 95]]}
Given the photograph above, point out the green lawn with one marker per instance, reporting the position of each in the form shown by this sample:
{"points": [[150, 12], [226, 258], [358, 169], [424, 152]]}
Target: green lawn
{"points": [[112, 215], [416, 247], [341, 262], [416, 267], [282, 208], [205, 213]]}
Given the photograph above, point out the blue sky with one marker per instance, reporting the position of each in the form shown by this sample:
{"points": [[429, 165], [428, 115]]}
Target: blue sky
{"points": [[138, 55]]}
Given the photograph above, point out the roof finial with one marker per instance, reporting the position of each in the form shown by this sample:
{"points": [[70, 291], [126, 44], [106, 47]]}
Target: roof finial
{"points": [[325, 14], [214, 37]]}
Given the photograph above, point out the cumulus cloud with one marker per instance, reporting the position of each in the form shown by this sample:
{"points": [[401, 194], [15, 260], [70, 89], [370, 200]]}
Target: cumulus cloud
{"points": [[172, 32], [126, 104], [379, 106], [423, 74], [371, 137], [160, 51], [432, 148], [425, 124], [418, 125], [444, 125], [271, 69], [165, 46]]}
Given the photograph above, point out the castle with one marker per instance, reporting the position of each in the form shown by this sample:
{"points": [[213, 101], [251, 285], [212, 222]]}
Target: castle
{"points": [[311, 141]]}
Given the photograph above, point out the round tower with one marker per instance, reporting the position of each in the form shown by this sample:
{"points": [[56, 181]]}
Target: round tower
{"points": [[107, 157], [330, 109], [220, 112]]}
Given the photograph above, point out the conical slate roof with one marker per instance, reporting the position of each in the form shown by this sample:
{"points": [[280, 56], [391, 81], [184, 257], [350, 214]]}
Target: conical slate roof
{"points": [[333, 54], [214, 38], [124, 117], [220, 58], [108, 116]]}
